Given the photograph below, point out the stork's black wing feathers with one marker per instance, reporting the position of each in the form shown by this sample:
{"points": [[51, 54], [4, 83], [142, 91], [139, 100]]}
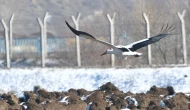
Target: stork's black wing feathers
{"points": [[78, 32], [123, 49], [88, 36], [139, 44], [147, 42]]}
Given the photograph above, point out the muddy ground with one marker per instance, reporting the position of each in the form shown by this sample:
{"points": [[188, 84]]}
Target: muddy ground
{"points": [[107, 97]]}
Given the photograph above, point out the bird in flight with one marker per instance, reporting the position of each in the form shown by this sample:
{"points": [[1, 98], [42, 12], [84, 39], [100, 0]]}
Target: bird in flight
{"points": [[128, 50]]}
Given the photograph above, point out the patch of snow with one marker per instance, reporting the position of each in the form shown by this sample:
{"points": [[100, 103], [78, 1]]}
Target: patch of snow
{"points": [[62, 79], [43, 103], [65, 100], [85, 97], [25, 107], [88, 107], [132, 100], [162, 104], [22, 104], [170, 96], [108, 100], [126, 109]]}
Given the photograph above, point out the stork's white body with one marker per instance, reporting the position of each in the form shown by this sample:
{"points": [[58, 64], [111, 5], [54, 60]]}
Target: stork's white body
{"points": [[122, 54]]}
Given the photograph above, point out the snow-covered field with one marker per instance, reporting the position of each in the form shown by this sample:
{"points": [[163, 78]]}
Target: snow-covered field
{"points": [[61, 79]]}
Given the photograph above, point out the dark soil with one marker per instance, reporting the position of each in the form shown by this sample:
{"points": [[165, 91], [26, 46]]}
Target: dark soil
{"points": [[107, 97]]}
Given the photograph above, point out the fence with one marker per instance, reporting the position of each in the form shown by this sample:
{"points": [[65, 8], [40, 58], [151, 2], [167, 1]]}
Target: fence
{"points": [[68, 51], [22, 45]]}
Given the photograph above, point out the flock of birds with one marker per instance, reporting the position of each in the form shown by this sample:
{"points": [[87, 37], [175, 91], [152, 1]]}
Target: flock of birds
{"points": [[128, 50]]}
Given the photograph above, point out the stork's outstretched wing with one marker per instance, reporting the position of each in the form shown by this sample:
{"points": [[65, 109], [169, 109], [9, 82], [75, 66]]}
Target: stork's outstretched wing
{"points": [[88, 36], [142, 43]]}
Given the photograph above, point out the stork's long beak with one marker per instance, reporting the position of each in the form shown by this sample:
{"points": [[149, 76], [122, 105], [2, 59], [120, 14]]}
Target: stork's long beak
{"points": [[103, 53]]}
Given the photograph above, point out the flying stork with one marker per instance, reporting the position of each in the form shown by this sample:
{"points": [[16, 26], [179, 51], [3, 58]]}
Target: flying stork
{"points": [[128, 50]]}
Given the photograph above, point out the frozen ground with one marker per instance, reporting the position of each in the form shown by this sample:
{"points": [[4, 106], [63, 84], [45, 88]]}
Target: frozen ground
{"points": [[60, 79]]}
